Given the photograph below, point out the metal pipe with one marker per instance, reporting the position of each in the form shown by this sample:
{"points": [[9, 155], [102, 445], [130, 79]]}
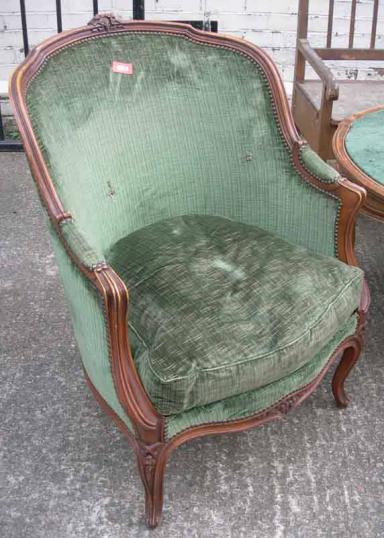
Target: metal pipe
{"points": [[24, 27], [59, 17], [138, 9]]}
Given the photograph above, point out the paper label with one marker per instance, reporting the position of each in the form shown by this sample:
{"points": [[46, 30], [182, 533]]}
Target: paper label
{"points": [[122, 68]]}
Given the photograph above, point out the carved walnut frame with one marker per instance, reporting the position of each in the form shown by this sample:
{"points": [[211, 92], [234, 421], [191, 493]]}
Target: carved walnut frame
{"points": [[148, 438], [374, 203]]}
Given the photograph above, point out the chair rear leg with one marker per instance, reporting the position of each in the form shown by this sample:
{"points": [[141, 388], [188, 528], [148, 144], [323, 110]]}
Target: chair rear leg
{"points": [[347, 362]]}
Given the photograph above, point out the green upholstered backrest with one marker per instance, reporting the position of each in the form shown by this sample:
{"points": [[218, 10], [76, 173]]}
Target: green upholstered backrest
{"points": [[190, 131]]}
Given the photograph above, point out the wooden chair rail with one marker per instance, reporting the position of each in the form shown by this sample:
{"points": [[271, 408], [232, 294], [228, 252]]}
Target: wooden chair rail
{"points": [[349, 54], [317, 118], [303, 12], [325, 74]]}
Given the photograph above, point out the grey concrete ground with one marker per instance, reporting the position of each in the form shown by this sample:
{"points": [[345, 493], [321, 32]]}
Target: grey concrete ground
{"points": [[66, 472]]}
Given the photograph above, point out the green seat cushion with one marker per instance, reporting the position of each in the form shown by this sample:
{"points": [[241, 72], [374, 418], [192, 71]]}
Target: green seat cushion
{"points": [[258, 400], [218, 307]]}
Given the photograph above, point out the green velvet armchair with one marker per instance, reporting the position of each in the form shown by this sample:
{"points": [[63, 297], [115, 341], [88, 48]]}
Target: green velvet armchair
{"points": [[206, 251]]}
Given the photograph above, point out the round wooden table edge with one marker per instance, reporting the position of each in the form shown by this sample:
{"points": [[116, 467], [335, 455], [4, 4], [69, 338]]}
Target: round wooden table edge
{"points": [[374, 204]]}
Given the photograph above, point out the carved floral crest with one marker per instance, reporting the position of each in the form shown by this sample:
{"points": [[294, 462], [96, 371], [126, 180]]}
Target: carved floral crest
{"points": [[103, 22]]}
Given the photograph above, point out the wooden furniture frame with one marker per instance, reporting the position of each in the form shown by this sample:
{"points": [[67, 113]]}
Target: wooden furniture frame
{"points": [[315, 120], [374, 203], [148, 440]]}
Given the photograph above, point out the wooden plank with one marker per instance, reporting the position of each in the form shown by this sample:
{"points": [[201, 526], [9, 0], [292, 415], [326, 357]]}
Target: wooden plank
{"points": [[351, 54], [305, 115], [302, 31], [374, 23], [302, 20], [330, 22], [320, 68], [354, 95], [352, 24]]}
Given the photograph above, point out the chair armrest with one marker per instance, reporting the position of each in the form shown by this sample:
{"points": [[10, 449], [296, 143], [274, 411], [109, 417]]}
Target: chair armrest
{"points": [[325, 74], [351, 198], [99, 307], [347, 196], [85, 308], [79, 247], [316, 166]]}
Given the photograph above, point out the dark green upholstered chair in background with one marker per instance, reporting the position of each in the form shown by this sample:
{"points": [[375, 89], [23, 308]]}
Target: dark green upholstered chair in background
{"points": [[206, 252]]}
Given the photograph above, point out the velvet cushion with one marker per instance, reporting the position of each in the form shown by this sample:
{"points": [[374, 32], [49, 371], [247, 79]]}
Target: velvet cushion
{"points": [[258, 400], [218, 308]]}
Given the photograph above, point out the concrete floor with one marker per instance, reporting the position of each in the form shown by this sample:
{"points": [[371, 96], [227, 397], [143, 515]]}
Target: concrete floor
{"points": [[66, 472]]}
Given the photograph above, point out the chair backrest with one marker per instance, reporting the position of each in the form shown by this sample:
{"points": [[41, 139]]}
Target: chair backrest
{"points": [[187, 124], [369, 52]]}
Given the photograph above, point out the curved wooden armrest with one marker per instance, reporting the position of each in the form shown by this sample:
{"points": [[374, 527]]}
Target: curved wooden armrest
{"points": [[149, 424], [352, 198], [325, 74]]}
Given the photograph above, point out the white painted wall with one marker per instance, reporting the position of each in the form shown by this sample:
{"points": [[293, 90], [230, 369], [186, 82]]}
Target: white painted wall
{"points": [[268, 23]]}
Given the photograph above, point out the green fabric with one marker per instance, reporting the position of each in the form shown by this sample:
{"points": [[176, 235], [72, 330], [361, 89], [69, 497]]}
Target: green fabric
{"points": [[218, 307], [192, 131], [89, 327], [317, 166], [365, 144], [79, 246], [252, 402]]}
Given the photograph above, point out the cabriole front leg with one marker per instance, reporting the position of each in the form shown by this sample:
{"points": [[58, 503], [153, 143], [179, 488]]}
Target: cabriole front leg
{"points": [[151, 461]]}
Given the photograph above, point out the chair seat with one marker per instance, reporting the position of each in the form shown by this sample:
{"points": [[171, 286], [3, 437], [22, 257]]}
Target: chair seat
{"points": [[354, 95], [218, 308]]}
